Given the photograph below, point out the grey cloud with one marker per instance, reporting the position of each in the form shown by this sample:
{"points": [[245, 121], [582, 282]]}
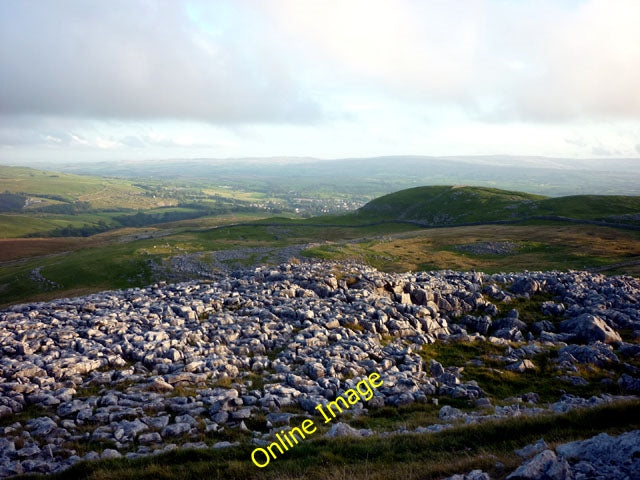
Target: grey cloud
{"points": [[123, 59], [27, 130]]}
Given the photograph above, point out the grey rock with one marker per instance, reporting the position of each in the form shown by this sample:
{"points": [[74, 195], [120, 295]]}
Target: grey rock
{"points": [[532, 449], [435, 368], [157, 422], [472, 475], [176, 429], [525, 286], [90, 456], [28, 451], [590, 328], [629, 384], [110, 453], [70, 408], [186, 419], [279, 418], [604, 448], [42, 426], [448, 413], [552, 308], [241, 414], [148, 438], [343, 430], [159, 385], [225, 444], [521, 366], [544, 466]]}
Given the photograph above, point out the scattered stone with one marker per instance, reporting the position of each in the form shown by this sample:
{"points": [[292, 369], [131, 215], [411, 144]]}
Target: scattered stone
{"points": [[147, 438], [189, 351], [472, 475]]}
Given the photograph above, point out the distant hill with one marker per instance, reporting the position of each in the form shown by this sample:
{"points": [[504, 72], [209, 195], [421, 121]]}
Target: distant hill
{"points": [[371, 177], [451, 205]]}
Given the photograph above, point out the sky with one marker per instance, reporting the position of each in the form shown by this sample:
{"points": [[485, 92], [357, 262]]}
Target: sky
{"points": [[149, 79]]}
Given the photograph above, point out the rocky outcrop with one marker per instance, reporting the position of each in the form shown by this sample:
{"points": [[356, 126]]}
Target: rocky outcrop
{"points": [[600, 457], [603, 457], [589, 328]]}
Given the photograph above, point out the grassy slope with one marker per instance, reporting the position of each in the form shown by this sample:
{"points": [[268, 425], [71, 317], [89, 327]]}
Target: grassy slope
{"points": [[405, 457], [589, 206], [536, 247], [98, 202], [442, 205], [98, 191]]}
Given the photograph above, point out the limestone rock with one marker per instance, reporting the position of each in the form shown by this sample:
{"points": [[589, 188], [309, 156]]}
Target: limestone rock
{"points": [[544, 466], [590, 328]]}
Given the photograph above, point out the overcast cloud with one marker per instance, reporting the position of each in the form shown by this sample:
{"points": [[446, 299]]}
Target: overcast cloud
{"points": [[334, 78]]}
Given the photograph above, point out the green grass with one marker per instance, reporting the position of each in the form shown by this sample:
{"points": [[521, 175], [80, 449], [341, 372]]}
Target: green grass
{"points": [[529, 310], [107, 261], [80, 271], [411, 416], [589, 206], [445, 205], [542, 247], [100, 192], [406, 457], [500, 384]]}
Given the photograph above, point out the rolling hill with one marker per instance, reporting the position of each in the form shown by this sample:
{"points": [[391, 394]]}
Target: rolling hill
{"points": [[459, 205], [535, 232]]}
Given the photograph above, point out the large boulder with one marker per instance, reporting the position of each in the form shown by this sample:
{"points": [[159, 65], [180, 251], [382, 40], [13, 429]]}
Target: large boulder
{"points": [[544, 466], [525, 286], [589, 328], [629, 384]]}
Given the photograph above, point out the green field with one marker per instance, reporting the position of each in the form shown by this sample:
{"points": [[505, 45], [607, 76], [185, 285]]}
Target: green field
{"points": [[100, 192]]}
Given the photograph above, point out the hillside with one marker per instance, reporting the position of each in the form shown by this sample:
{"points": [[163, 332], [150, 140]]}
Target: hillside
{"points": [[39, 268], [38, 203], [43, 189], [453, 205]]}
